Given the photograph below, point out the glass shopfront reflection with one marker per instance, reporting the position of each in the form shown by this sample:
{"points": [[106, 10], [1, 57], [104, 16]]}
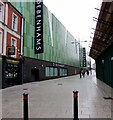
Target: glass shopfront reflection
{"points": [[11, 72]]}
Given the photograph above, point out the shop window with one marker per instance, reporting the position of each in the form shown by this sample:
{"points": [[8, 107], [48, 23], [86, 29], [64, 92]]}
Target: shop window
{"points": [[47, 72], [51, 72], [66, 72], [14, 22], [11, 70], [63, 72], [1, 12], [56, 71]]}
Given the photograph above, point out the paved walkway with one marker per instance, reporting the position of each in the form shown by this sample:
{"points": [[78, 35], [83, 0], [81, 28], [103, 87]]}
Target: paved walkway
{"points": [[54, 99]]}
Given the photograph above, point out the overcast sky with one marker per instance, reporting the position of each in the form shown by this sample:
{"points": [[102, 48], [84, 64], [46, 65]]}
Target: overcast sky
{"points": [[76, 16]]}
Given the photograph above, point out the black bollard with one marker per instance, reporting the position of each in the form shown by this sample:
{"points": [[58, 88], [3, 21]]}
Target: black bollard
{"points": [[25, 106], [75, 96]]}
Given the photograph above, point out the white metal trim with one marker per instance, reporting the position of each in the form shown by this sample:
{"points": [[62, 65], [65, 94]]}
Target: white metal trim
{"points": [[50, 27], [22, 30], [5, 42], [9, 30], [1, 41], [6, 14]]}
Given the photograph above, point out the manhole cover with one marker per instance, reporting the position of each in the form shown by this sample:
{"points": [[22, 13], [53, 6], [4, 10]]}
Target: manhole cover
{"points": [[59, 83]]}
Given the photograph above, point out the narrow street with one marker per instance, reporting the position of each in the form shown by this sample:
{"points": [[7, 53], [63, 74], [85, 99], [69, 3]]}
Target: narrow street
{"points": [[45, 47], [53, 98]]}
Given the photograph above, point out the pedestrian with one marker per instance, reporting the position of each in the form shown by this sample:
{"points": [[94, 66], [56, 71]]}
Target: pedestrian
{"points": [[90, 71], [87, 72], [83, 73]]}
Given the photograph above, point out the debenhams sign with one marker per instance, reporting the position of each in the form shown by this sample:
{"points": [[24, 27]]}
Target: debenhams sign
{"points": [[38, 26]]}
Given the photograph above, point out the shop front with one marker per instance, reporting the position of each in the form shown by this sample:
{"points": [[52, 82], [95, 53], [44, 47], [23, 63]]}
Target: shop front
{"points": [[39, 70], [11, 71]]}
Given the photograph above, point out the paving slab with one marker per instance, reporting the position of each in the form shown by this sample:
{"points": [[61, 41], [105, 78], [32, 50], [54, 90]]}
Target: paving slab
{"points": [[54, 98]]}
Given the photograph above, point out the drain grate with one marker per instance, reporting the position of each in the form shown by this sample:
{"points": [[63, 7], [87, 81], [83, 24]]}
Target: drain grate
{"points": [[25, 88], [108, 98]]}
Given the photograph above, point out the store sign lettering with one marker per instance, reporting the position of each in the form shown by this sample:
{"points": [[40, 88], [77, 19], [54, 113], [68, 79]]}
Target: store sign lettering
{"points": [[38, 26]]}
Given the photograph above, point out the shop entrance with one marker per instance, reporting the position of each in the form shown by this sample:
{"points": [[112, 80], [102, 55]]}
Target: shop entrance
{"points": [[35, 73]]}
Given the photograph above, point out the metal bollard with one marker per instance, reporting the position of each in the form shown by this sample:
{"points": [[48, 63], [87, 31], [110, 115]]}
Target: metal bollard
{"points": [[75, 96], [25, 106]]}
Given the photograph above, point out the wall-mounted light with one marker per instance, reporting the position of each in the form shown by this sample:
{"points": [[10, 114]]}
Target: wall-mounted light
{"points": [[102, 61], [111, 58]]}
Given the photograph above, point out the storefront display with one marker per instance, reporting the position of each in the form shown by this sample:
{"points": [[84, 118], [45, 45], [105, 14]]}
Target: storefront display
{"points": [[11, 71]]}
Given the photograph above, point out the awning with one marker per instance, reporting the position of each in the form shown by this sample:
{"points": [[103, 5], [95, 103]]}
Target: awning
{"points": [[103, 36]]}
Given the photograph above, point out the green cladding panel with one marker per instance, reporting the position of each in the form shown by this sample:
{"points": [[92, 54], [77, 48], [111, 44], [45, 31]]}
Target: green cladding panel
{"points": [[57, 40]]}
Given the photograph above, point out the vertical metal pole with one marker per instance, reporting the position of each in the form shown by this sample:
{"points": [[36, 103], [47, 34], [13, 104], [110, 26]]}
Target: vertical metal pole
{"points": [[75, 96], [25, 106]]}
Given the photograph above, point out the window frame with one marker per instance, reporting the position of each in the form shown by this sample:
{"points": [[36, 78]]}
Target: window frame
{"points": [[16, 26], [2, 12], [12, 38]]}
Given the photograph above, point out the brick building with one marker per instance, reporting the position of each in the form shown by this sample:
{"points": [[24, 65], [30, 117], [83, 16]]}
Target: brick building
{"points": [[11, 39]]}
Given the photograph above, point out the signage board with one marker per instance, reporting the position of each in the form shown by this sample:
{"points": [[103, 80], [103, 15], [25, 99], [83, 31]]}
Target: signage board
{"points": [[84, 57], [38, 26], [11, 50]]}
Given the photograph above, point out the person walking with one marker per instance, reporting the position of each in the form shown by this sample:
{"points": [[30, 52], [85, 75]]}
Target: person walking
{"points": [[83, 73], [87, 72], [80, 73]]}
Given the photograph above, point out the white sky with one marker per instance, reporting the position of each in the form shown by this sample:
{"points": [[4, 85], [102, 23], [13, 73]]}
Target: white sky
{"points": [[76, 16]]}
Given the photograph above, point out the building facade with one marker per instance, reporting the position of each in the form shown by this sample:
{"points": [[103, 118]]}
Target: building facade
{"points": [[102, 46], [10, 30], [10, 41], [51, 56], [59, 57]]}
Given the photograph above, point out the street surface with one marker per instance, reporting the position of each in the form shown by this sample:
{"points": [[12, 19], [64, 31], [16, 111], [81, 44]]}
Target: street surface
{"points": [[54, 98]]}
